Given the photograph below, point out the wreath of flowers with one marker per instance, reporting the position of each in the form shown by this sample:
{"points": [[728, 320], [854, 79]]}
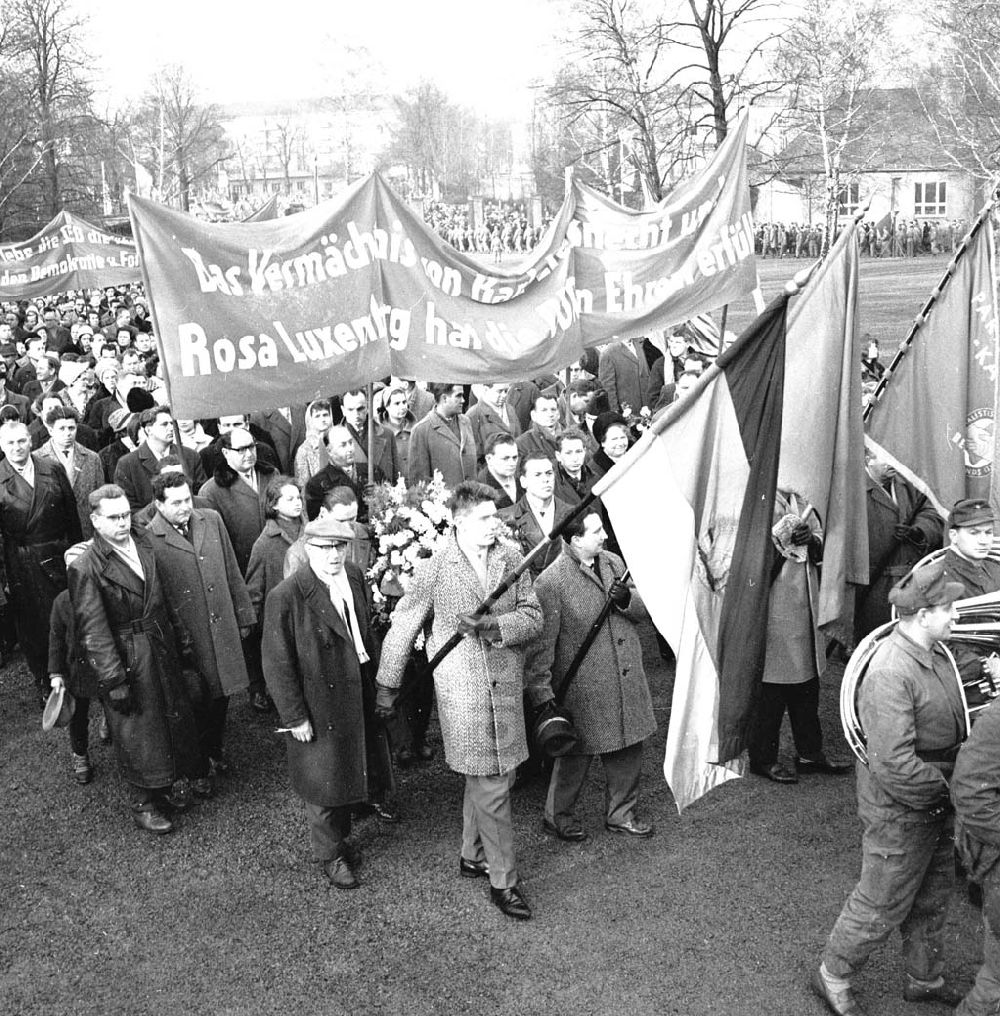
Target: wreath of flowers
{"points": [[407, 523]]}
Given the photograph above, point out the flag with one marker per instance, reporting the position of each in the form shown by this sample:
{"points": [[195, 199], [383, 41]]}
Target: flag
{"points": [[935, 419], [822, 437], [691, 505]]}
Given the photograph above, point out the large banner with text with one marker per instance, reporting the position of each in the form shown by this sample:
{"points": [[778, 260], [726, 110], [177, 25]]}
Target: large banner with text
{"points": [[257, 315], [69, 253]]}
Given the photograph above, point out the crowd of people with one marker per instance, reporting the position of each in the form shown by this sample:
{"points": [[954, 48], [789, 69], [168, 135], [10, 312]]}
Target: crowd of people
{"points": [[157, 567], [504, 228], [889, 238]]}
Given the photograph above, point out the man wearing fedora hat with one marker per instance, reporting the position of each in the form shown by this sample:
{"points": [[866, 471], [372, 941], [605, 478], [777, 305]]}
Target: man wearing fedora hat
{"points": [[319, 664], [911, 710]]}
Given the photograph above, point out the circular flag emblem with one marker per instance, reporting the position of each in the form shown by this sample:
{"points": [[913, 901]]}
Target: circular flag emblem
{"points": [[979, 442]]}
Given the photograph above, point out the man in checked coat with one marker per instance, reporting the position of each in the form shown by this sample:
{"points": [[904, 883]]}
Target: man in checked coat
{"points": [[608, 698], [479, 685]]}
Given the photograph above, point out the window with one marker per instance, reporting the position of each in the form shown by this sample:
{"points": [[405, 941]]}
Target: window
{"points": [[929, 199], [849, 198]]}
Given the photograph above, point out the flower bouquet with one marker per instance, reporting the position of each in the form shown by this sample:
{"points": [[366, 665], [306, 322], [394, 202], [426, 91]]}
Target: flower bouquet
{"points": [[407, 524]]}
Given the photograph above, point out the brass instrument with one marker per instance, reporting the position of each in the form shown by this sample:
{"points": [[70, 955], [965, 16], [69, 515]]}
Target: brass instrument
{"points": [[974, 638]]}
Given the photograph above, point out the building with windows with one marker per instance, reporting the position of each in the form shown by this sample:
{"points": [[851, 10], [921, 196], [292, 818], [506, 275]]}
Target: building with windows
{"points": [[301, 149], [893, 157]]}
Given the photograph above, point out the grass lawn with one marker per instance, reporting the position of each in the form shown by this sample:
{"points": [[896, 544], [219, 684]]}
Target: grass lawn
{"points": [[724, 911], [893, 292]]}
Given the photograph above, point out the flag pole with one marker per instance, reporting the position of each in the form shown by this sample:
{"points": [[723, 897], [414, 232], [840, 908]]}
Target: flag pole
{"points": [[936, 292], [369, 396]]}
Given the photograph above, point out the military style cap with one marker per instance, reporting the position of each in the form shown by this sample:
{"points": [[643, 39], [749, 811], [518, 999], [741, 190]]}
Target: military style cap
{"points": [[972, 511], [327, 531], [926, 585]]}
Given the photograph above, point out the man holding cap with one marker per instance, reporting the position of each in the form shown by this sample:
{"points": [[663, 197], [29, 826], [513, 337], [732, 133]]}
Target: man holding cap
{"points": [[912, 713], [967, 560], [319, 664]]}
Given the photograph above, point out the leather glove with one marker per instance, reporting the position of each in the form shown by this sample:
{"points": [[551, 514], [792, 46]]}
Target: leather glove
{"points": [[385, 701], [908, 534], [619, 594], [121, 701], [801, 534], [485, 628]]}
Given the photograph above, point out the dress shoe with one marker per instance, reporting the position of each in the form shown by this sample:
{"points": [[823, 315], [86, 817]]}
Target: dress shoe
{"points": [[472, 869], [179, 797], [152, 821], [203, 787], [511, 902], [921, 991], [384, 814], [261, 702], [351, 854], [633, 827], [338, 871], [824, 766], [83, 771], [776, 773], [574, 834], [405, 758], [425, 752], [219, 766], [841, 1003]]}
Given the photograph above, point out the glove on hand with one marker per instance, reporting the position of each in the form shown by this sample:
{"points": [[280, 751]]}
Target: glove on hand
{"points": [[801, 534], [619, 594], [486, 627], [385, 701], [908, 534], [120, 699]]}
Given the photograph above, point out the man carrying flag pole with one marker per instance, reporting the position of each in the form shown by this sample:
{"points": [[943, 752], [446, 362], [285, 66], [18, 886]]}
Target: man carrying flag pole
{"points": [[710, 465]]}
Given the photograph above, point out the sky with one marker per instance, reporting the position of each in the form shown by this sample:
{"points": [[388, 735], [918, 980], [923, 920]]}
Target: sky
{"points": [[483, 55]]}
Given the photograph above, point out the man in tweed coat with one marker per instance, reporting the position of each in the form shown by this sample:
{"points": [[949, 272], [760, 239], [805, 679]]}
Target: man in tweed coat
{"points": [[609, 697], [479, 685]]}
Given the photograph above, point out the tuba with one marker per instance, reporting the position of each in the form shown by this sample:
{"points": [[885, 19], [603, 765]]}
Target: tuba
{"points": [[975, 636]]}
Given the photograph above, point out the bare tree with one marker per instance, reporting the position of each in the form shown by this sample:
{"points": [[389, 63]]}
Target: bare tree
{"points": [[961, 91], [638, 90], [179, 139], [830, 55], [47, 51], [285, 142]]}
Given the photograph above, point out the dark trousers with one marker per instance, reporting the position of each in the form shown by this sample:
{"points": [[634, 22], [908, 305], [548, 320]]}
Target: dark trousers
{"points": [[415, 714], [802, 703], [984, 997], [328, 828], [79, 727], [210, 718], [251, 656]]}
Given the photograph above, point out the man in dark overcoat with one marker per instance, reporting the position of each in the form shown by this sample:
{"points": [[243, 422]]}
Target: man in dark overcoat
{"points": [[538, 511], [132, 644], [38, 522], [903, 526], [200, 574], [609, 697], [236, 491], [319, 663]]}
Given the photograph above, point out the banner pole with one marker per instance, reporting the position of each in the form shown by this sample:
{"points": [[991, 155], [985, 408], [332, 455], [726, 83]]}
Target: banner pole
{"points": [[369, 396], [569, 410], [936, 292]]}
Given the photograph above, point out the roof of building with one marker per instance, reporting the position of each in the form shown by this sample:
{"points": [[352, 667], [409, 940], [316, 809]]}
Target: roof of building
{"points": [[892, 132]]}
